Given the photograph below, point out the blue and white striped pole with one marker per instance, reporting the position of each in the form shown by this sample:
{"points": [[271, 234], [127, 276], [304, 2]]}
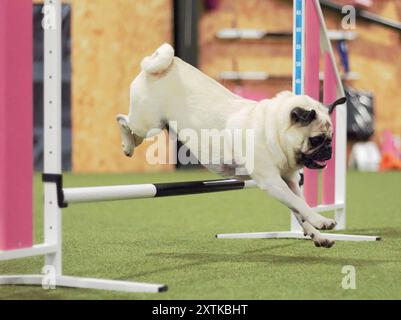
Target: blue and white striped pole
{"points": [[298, 68], [298, 46]]}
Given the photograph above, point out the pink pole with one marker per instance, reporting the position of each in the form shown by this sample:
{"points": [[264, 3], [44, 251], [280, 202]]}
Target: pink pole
{"points": [[329, 95], [312, 86], [15, 124]]}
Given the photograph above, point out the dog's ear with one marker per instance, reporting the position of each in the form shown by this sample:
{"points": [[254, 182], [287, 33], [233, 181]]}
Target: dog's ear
{"points": [[302, 116], [336, 103]]}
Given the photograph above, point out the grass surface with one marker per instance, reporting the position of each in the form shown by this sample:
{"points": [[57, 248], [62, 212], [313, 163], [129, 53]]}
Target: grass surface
{"points": [[171, 240]]}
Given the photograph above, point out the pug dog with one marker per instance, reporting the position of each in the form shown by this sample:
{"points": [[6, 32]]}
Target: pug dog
{"points": [[290, 131]]}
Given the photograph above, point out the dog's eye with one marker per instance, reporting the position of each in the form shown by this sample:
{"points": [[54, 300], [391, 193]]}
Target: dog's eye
{"points": [[316, 141]]}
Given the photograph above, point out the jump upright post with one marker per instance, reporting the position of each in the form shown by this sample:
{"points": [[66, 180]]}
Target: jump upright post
{"points": [[16, 228]]}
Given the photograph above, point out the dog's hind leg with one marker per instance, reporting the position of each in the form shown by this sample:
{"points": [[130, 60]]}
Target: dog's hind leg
{"points": [[129, 139], [144, 115]]}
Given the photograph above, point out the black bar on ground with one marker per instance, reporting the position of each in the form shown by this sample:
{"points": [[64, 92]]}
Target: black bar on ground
{"points": [[194, 187]]}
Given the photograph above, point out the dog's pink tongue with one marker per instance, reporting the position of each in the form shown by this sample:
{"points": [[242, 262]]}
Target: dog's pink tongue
{"points": [[320, 163]]}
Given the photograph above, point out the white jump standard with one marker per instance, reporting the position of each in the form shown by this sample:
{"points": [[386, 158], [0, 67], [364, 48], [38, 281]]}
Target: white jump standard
{"points": [[310, 40]]}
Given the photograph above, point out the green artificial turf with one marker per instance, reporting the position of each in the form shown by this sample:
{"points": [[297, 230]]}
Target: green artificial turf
{"points": [[171, 240]]}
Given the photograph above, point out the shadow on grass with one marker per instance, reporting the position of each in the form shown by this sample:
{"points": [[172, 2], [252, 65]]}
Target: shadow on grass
{"points": [[261, 255]]}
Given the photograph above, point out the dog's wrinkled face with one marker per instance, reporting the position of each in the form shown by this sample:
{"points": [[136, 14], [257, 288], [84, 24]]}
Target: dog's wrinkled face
{"points": [[317, 149], [320, 151], [310, 131]]}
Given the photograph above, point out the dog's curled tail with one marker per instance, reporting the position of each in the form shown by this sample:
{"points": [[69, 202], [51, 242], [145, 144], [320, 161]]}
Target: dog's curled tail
{"points": [[159, 61]]}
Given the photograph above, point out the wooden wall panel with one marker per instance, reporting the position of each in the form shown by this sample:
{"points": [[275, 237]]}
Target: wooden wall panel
{"points": [[109, 40], [375, 55], [272, 56]]}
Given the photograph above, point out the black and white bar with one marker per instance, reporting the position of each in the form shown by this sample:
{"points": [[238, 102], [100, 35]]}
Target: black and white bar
{"points": [[150, 190]]}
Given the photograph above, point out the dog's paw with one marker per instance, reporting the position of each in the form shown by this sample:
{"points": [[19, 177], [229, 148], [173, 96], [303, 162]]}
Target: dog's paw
{"points": [[321, 241], [325, 243], [128, 140], [322, 223], [318, 239], [128, 151]]}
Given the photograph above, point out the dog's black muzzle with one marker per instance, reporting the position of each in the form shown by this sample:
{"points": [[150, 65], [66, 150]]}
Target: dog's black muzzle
{"points": [[318, 158]]}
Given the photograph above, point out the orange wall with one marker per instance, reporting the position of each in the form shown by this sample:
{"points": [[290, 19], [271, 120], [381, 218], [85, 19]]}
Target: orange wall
{"points": [[109, 40]]}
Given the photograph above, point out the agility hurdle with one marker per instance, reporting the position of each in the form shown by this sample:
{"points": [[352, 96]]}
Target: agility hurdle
{"points": [[57, 197], [16, 165]]}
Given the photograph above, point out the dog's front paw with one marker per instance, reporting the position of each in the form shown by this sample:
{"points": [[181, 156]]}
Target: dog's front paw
{"points": [[318, 239], [322, 223], [321, 241], [325, 243]]}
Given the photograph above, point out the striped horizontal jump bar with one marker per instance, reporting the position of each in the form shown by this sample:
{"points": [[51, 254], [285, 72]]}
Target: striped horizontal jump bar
{"points": [[140, 191]]}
